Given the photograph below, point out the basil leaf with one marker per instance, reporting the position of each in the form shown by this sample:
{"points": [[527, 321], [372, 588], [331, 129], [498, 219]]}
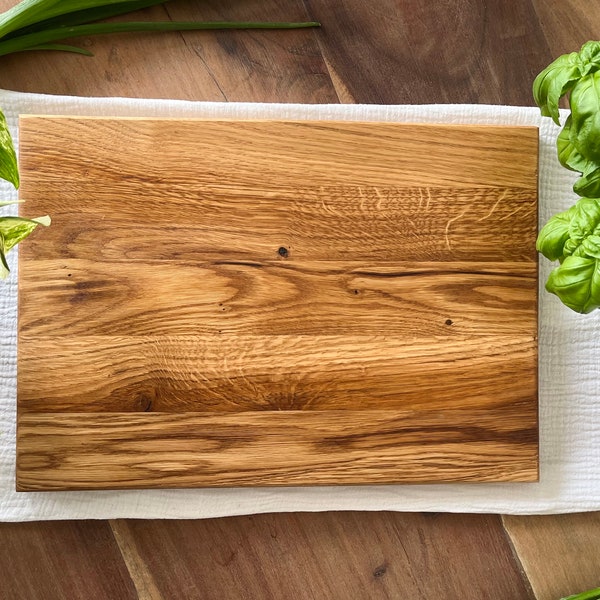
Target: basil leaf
{"points": [[553, 236], [554, 82], [585, 218], [590, 247], [585, 110], [12, 231], [568, 155], [573, 238], [577, 283], [589, 57], [589, 183], [8, 158]]}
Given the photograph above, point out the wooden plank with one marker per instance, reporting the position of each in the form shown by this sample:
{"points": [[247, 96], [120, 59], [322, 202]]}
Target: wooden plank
{"points": [[560, 553], [241, 298], [255, 66], [261, 220], [379, 555], [248, 157], [421, 53], [269, 66], [420, 310], [134, 450], [566, 26], [230, 373], [65, 559]]}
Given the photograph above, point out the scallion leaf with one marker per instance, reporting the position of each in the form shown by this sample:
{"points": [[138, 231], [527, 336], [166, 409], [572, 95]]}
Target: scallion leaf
{"points": [[26, 42]]}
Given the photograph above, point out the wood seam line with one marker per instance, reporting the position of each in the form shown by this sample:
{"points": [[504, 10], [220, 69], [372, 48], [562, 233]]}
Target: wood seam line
{"points": [[138, 570], [517, 559], [543, 30], [340, 88]]}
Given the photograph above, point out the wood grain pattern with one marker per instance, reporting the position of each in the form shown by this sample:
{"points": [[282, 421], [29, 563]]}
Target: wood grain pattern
{"points": [[259, 66], [114, 450], [61, 561], [335, 555], [566, 25], [560, 553], [317, 280], [456, 51], [259, 298], [231, 373], [246, 158]]}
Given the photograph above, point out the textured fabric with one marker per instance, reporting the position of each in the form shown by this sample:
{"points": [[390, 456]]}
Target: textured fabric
{"points": [[569, 359]]}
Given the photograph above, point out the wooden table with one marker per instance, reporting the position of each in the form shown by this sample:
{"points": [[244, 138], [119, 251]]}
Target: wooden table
{"points": [[395, 52]]}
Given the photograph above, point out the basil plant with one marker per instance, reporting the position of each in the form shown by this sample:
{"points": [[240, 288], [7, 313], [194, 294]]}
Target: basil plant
{"points": [[573, 237]]}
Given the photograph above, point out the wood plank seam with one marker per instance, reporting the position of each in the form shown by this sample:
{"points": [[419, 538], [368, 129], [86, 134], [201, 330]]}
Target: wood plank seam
{"points": [[139, 572], [517, 560]]}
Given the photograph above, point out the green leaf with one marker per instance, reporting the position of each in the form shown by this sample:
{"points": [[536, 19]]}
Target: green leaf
{"points": [[4, 268], [589, 57], [568, 155], [585, 221], [573, 238], [588, 184], [12, 231], [589, 247], [589, 595], [585, 111], [32, 40], [553, 236], [8, 158], [62, 48], [558, 78], [554, 82], [16, 229], [577, 283], [88, 15], [28, 12]]}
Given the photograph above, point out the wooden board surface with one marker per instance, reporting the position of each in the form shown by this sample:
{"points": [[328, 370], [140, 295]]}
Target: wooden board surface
{"points": [[258, 303]]}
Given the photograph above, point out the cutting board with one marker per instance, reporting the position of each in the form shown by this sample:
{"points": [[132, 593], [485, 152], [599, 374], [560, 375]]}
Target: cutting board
{"points": [[229, 303]]}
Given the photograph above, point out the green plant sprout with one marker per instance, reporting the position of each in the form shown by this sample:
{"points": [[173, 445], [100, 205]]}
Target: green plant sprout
{"points": [[573, 237]]}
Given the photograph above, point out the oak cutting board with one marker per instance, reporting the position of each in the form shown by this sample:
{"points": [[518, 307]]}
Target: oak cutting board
{"points": [[225, 303]]}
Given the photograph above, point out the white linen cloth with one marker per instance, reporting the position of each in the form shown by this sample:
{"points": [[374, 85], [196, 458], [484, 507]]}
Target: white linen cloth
{"points": [[569, 359]]}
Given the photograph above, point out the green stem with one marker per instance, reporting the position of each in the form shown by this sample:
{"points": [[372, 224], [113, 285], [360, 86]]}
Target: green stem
{"points": [[589, 595], [26, 42]]}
